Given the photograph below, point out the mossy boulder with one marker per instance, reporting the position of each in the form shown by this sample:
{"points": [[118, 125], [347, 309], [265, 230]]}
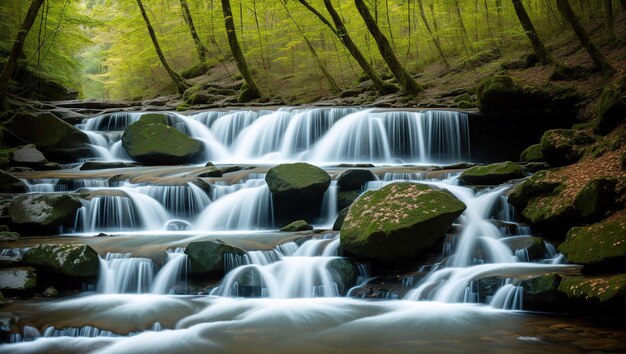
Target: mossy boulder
{"points": [[11, 184], [550, 211], [344, 274], [299, 225], [491, 174], [151, 141], [18, 280], [297, 181], [534, 246], [72, 260], [541, 293], [596, 198], [536, 185], [562, 147], [595, 289], [603, 243], [398, 221], [207, 257], [340, 218], [346, 198], [502, 93], [611, 107], [354, 179], [532, 154], [42, 213]]}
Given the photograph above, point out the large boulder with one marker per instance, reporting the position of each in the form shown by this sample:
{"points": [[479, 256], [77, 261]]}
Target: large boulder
{"points": [[612, 107], [297, 182], [28, 156], [344, 274], [398, 221], [11, 184], [299, 225], [562, 147], [340, 218], [54, 137], [491, 174], [541, 293], [532, 154], [354, 179], [72, 260], [346, 198], [207, 257], [42, 213], [600, 244], [152, 141], [596, 198], [534, 247], [537, 185], [596, 290], [18, 280], [502, 93]]}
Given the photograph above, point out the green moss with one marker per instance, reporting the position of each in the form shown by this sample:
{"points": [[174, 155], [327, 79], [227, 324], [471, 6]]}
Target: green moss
{"points": [[208, 256], [537, 185], [72, 260], [195, 70], [183, 107], [492, 174], [596, 289], [299, 225], [596, 197], [299, 181], [603, 242], [154, 118], [564, 146], [611, 107], [398, 220], [532, 154]]}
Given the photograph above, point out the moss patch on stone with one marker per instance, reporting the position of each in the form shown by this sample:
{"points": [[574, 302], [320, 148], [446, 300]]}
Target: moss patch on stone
{"points": [[600, 289], [532, 154], [611, 107], [298, 225], [73, 260], [564, 146], [297, 181], [491, 174], [207, 257]]}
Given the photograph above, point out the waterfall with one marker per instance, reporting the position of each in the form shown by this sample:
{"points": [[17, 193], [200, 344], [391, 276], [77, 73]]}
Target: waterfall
{"points": [[329, 205], [173, 272], [181, 201]]}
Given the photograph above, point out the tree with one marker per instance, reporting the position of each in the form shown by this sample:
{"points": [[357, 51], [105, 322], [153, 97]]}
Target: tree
{"points": [[434, 38], [17, 51], [608, 21], [596, 55], [250, 90], [202, 51], [408, 83], [181, 84], [342, 33], [540, 50]]}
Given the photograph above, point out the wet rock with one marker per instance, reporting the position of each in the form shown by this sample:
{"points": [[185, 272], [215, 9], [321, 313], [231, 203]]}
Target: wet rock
{"points": [[491, 174], [596, 198], [28, 156], [18, 280], [536, 185], [41, 213], [19, 169], [72, 260], [600, 244], [344, 274], [354, 179], [10, 184], [562, 147], [103, 165], [340, 218], [532, 154], [346, 198], [398, 221], [211, 171], [534, 246], [207, 257], [8, 236], [612, 107], [596, 290], [299, 225], [50, 292], [151, 141], [297, 182], [541, 293]]}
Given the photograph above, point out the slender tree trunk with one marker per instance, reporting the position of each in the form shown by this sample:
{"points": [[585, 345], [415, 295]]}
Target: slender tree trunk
{"points": [[406, 81], [434, 37], [540, 50], [16, 51], [596, 55], [342, 33], [181, 84], [608, 21], [464, 35], [623, 5], [251, 91], [202, 51], [393, 42]]}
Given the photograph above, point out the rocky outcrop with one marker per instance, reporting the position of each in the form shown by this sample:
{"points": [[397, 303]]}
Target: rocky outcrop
{"points": [[491, 174], [18, 281], [42, 214], [533, 246], [72, 260], [562, 147], [340, 218], [398, 221], [299, 225], [595, 290], [344, 274], [207, 257], [11, 184], [28, 156], [152, 142], [611, 107], [532, 154]]}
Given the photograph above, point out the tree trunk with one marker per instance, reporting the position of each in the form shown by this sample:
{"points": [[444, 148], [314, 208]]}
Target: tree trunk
{"points": [[434, 38], [16, 51], [540, 50], [252, 90], [181, 84], [596, 55], [608, 21], [202, 51], [341, 32], [623, 5], [406, 81]]}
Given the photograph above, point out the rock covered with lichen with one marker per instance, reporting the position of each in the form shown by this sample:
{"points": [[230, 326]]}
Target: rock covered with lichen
{"points": [[72, 260], [43, 213], [491, 174], [398, 221]]}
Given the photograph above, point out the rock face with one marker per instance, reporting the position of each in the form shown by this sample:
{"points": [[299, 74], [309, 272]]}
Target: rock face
{"points": [[354, 179], [297, 181], [299, 225], [42, 213], [10, 184], [18, 280], [541, 293], [491, 174], [72, 260], [596, 197], [398, 221], [340, 218], [600, 244], [610, 290], [532, 154], [562, 147], [534, 246], [207, 257], [612, 107], [54, 137], [151, 141]]}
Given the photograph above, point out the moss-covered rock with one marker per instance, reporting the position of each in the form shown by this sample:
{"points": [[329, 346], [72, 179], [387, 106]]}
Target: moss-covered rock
{"points": [[346, 198], [72, 260], [532, 187], [491, 174], [340, 218], [532, 154], [534, 246], [195, 70], [502, 93], [595, 290], [18, 280], [564, 146], [541, 293], [151, 141], [42, 213], [11, 184], [354, 179], [207, 257], [210, 172], [398, 221], [297, 181], [344, 274], [611, 107], [596, 198], [299, 225], [603, 243], [549, 211]]}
